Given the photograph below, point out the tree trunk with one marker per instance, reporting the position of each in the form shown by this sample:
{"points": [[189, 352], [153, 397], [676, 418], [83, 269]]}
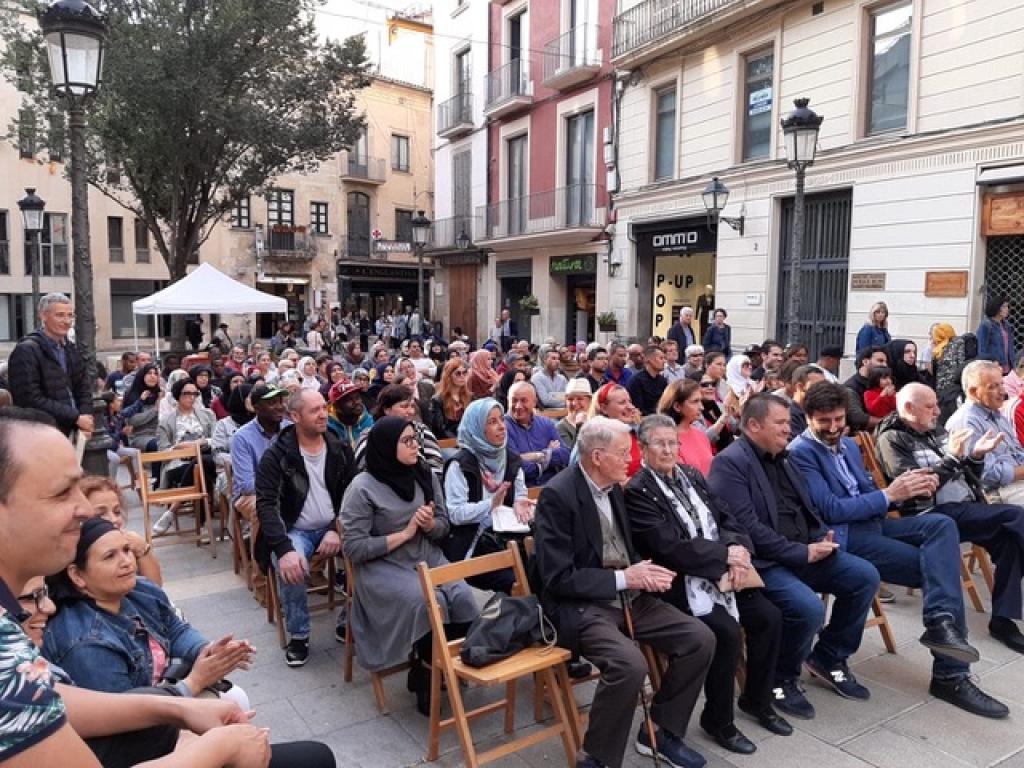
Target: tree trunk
{"points": [[85, 312]]}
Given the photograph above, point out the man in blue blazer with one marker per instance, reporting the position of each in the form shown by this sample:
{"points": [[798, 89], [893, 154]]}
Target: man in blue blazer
{"points": [[920, 551], [795, 555]]}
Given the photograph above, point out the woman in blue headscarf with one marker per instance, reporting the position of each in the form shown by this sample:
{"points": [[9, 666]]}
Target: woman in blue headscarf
{"points": [[483, 476]]}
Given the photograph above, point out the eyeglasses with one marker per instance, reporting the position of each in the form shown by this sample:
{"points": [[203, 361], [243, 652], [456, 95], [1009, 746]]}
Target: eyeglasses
{"points": [[625, 455], [461, 372], [664, 445], [707, 385], [189, 392], [38, 596], [409, 441]]}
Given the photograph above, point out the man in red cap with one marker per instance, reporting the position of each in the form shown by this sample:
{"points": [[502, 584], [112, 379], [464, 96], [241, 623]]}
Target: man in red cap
{"points": [[348, 417]]}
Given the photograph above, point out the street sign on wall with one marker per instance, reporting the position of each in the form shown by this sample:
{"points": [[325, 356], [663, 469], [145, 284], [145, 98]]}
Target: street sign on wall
{"points": [[392, 246]]}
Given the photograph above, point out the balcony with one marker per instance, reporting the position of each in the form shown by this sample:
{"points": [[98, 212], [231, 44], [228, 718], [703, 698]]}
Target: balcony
{"points": [[362, 169], [508, 89], [455, 116], [358, 247], [445, 232], [656, 21], [572, 58], [567, 215], [289, 244]]}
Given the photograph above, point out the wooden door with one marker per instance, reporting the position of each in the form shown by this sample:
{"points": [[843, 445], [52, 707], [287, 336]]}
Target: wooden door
{"points": [[462, 299]]}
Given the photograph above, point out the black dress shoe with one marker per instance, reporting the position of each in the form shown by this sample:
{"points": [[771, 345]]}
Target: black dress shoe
{"points": [[766, 717], [729, 737], [578, 669], [1005, 631], [965, 694], [942, 636]]}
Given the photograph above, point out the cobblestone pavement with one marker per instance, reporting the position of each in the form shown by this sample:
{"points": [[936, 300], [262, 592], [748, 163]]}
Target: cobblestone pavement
{"points": [[900, 727]]}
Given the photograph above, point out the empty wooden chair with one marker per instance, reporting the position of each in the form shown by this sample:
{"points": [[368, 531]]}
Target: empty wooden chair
{"points": [[192, 499]]}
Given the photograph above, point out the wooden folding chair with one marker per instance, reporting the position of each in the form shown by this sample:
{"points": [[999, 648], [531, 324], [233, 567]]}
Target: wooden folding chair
{"points": [[130, 462], [192, 499], [546, 663], [241, 555], [376, 678], [879, 620], [448, 443], [554, 413], [275, 612]]}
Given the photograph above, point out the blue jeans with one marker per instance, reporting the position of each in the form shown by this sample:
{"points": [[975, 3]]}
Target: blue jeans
{"points": [[853, 582], [921, 551], [294, 599]]}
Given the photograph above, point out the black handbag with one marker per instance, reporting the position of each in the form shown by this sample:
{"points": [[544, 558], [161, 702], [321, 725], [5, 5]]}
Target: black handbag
{"points": [[505, 626]]}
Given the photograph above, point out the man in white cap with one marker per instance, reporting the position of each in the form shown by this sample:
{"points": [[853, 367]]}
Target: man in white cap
{"points": [[578, 395]]}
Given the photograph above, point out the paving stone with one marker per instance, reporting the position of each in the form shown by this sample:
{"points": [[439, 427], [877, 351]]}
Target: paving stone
{"points": [[974, 740], [883, 746]]}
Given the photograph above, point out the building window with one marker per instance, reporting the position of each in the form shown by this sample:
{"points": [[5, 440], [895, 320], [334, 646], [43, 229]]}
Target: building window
{"points": [[403, 225], [53, 249], [889, 68], [318, 218], [400, 153], [281, 219], [358, 225], [757, 105], [5, 245], [665, 133], [241, 214], [16, 315], [122, 294], [115, 238], [56, 138], [141, 242], [26, 133], [112, 172]]}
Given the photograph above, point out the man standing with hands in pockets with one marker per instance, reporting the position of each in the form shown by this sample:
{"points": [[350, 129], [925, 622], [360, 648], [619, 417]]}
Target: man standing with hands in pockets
{"points": [[588, 567], [299, 485]]}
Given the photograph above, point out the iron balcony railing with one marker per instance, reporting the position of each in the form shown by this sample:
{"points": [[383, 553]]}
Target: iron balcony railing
{"points": [[569, 207], [507, 82], [576, 48], [456, 111], [358, 247], [290, 242], [652, 20], [362, 167], [444, 233]]}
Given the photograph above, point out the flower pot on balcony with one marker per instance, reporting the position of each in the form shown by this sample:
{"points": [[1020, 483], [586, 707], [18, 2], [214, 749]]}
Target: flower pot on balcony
{"points": [[607, 322]]}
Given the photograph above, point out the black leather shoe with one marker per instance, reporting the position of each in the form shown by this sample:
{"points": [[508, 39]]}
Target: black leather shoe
{"points": [[583, 760], [731, 738], [965, 694], [942, 636], [766, 717], [1006, 632], [578, 669]]}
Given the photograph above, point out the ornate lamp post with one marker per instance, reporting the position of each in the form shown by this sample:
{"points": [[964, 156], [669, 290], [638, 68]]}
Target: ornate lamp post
{"points": [[32, 207], [420, 238], [715, 197], [800, 131], [462, 241], [75, 34]]}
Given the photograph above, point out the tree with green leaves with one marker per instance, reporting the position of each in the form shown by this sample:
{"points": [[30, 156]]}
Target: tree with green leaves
{"points": [[202, 103]]}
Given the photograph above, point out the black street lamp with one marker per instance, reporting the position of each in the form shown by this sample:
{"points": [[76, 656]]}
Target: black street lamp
{"points": [[715, 196], [75, 32], [800, 131], [420, 238], [32, 206], [463, 241]]}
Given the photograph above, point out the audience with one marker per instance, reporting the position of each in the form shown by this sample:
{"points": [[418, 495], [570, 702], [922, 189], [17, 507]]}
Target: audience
{"points": [[597, 358], [482, 376], [398, 400], [803, 378], [398, 494], [875, 332], [105, 497], [880, 396], [694, 365], [718, 335], [678, 525], [348, 418], [617, 371], [534, 437], [682, 402], [590, 574], [868, 358], [140, 409], [578, 397], [995, 334]]}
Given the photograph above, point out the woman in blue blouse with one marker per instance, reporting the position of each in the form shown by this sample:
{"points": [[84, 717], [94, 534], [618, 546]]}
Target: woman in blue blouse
{"points": [[875, 332]]}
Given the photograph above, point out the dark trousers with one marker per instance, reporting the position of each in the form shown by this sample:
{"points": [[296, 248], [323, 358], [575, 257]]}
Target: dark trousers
{"points": [[762, 624], [852, 581], [921, 551], [689, 646], [999, 528], [182, 475]]}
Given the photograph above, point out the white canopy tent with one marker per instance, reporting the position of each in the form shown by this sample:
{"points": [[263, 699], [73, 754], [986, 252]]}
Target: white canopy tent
{"points": [[205, 290]]}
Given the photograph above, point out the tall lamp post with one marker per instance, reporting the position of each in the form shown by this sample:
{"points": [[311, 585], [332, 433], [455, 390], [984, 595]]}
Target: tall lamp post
{"points": [[75, 32], [32, 206], [420, 238], [800, 131]]}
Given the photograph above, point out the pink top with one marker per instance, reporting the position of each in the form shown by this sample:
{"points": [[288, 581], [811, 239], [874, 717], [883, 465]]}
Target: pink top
{"points": [[695, 449], [1013, 385]]}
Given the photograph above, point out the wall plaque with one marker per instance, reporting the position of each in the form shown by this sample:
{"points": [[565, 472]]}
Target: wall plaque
{"points": [[867, 281], [1003, 214], [946, 284]]}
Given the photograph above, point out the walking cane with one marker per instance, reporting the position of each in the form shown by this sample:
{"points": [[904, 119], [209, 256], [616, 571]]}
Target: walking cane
{"points": [[627, 613]]}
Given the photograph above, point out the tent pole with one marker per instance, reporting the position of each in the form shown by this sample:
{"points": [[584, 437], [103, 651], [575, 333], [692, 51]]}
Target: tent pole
{"points": [[135, 331], [156, 337]]}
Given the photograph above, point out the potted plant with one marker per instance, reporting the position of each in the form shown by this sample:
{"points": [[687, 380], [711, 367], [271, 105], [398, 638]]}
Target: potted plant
{"points": [[529, 305], [607, 321]]}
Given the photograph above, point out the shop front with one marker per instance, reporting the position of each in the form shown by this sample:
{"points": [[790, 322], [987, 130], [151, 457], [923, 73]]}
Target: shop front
{"points": [[380, 290], [675, 265], [579, 274], [515, 280]]}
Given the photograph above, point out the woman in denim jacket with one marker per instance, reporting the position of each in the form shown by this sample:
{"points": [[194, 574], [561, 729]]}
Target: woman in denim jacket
{"points": [[115, 631]]}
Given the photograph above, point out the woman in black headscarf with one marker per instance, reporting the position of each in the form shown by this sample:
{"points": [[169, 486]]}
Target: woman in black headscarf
{"points": [[393, 516], [202, 375], [238, 415], [141, 409], [902, 355]]}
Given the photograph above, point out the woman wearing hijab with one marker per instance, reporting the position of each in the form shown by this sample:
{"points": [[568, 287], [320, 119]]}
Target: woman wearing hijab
{"points": [[939, 336], [482, 376], [393, 516], [737, 374], [902, 355], [308, 374], [483, 476], [202, 375], [333, 373], [141, 408], [220, 404]]}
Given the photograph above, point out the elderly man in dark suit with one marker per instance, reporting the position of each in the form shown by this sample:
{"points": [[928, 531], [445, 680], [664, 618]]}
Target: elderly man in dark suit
{"points": [[679, 525], [589, 572], [796, 556]]}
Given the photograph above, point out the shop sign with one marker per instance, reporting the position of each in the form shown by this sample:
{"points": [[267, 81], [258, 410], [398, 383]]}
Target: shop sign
{"points": [[573, 265], [678, 238], [867, 281], [392, 246], [370, 272]]}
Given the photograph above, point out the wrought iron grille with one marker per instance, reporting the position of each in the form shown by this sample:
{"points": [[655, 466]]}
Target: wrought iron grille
{"points": [[824, 267], [1004, 275]]}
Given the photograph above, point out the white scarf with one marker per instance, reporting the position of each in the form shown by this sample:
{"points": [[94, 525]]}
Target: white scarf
{"points": [[701, 594]]}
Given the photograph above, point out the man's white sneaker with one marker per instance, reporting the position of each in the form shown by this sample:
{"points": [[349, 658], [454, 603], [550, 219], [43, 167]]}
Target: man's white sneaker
{"points": [[163, 525]]}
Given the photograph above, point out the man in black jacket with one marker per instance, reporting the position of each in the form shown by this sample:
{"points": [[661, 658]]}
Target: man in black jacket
{"points": [[46, 372], [857, 416], [588, 569], [299, 485], [647, 384], [679, 525], [911, 439]]}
